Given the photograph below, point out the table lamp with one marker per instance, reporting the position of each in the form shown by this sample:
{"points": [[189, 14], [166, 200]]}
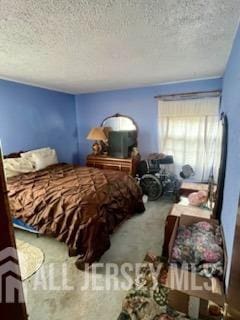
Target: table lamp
{"points": [[97, 134]]}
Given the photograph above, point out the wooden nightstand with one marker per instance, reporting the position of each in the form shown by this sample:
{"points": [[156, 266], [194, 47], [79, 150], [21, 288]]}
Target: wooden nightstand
{"points": [[105, 162]]}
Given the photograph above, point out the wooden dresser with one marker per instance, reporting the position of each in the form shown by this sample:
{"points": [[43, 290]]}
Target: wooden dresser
{"points": [[105, 162]]}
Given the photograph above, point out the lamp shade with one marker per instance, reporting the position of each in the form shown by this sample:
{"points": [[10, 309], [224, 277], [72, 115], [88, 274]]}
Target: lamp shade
{"points": [[97, 134]]}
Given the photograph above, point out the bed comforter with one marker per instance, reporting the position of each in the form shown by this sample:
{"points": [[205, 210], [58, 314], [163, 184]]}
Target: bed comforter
{"points": [[80, 206]]}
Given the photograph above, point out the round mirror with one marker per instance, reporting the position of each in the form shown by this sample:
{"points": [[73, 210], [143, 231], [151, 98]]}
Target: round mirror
{"points": [[119, 122]]}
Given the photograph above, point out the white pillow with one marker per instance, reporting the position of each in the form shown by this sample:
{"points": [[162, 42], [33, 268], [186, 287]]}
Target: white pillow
{"points": [[43, 160], [16, 166], [29, 154]]}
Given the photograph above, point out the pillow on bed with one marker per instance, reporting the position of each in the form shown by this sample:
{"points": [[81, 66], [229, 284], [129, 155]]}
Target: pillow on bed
{"points": [[16, 166], [29, 154], [43, 160]]}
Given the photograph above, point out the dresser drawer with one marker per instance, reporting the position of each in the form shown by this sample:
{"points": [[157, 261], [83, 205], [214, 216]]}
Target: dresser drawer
{"points": [[109, 163]]}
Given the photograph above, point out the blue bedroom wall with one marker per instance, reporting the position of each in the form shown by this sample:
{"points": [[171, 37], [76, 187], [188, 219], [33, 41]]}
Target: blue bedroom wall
{"points": [[32, 117], [137, 103], [231, 106]]}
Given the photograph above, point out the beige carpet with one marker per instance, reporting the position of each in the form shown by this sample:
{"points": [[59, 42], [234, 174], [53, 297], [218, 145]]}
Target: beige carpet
{"points": [[30, 258], [129, 243]]}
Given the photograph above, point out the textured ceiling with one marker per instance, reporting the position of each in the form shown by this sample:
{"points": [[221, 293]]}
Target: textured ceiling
{"points": [[93, 45]]}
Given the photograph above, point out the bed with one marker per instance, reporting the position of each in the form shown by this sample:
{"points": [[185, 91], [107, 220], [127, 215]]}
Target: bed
{"points": [[80, 206]]}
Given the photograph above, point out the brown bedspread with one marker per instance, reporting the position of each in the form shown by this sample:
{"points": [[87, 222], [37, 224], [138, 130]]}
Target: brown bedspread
{"points": [[80, 206]]}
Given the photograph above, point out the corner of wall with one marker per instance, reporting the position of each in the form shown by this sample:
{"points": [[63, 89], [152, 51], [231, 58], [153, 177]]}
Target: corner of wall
{"points": [[77, 124]]}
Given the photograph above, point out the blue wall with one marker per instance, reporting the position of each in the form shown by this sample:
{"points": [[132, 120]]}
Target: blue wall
{"points": [[31, 118], [231, 106], [137, 103]]}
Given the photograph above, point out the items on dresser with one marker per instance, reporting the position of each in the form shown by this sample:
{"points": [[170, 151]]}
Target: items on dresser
{"points": [[197, 195], [198, 199], [98, 135], [128, 165]]}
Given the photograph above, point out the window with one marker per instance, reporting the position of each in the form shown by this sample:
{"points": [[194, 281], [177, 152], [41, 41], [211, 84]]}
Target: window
{"points": [[189, 130]]}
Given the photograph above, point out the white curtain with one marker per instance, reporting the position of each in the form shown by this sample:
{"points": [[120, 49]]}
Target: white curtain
{"points": [[190, 131]]}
